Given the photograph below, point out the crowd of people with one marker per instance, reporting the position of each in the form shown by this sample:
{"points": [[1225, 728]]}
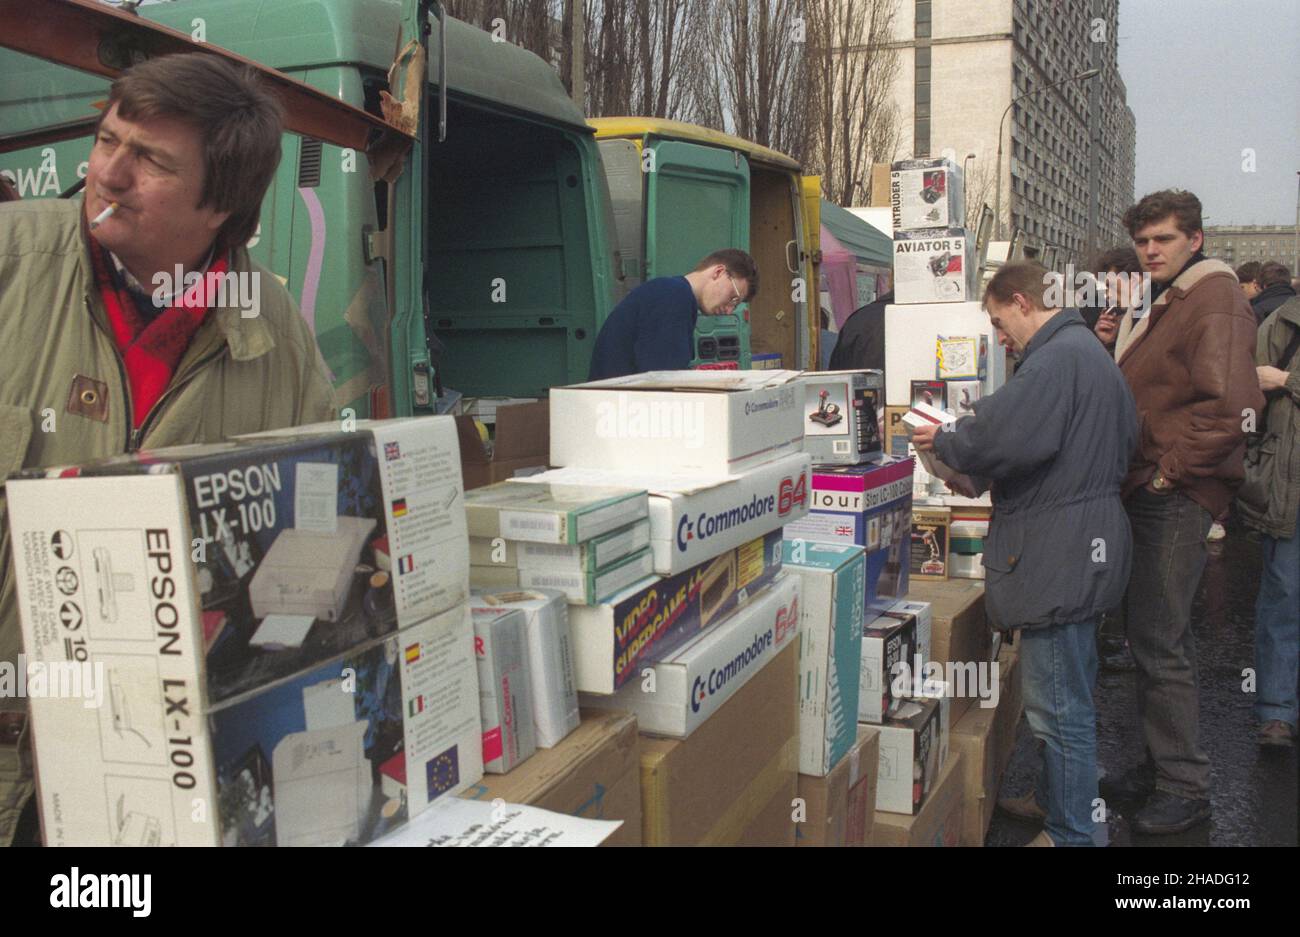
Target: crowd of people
{"points": [[1110, 462]]}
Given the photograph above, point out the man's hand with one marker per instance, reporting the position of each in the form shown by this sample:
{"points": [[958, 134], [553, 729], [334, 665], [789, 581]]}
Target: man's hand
{"points": [[1271, 378], [962, 485], [1107, 327], [923, 437]]}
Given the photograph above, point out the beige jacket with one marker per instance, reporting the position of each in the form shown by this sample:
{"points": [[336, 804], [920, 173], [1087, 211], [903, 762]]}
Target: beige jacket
{"points": [[64, 396]]}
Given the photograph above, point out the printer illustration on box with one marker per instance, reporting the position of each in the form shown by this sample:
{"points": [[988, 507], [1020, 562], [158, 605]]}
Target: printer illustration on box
{"points": [[309, 572], [322, 786]]}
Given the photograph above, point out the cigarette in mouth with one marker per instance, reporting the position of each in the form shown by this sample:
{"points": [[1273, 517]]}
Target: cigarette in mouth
{"points": [[103, 216]]}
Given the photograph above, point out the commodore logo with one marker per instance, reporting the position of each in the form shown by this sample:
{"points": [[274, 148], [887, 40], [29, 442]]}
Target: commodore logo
{"points": [[698, 694]]}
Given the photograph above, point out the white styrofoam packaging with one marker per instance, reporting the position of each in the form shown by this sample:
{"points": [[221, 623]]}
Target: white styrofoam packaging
{"points": [[926, 193], [910, 351], [692, 684], [505, 691], [703, 422], [550, 658], [934, 266]]}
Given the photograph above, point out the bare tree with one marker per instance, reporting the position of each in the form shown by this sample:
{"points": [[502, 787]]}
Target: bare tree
{"points": [[978, 190], [851, 71]]}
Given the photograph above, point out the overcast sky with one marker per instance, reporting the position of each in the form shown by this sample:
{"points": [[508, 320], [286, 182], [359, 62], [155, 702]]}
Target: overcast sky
{"points": [[1206, 80]]}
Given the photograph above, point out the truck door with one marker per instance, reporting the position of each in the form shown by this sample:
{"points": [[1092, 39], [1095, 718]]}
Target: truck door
{"points": [[697, 201]]}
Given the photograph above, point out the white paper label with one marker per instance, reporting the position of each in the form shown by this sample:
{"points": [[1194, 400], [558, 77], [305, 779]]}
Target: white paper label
{"points": [[315, 497], [529, 524]]}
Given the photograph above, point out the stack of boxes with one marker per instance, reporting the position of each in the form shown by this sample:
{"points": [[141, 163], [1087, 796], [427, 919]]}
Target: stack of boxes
{"points": [[280, 628], [697, 647]]}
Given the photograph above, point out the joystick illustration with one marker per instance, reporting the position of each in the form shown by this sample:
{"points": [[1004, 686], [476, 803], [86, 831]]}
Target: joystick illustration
{"points": [[827, 414]]}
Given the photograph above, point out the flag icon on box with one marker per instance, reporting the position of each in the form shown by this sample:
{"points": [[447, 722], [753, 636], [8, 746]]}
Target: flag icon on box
{"points": [[399, 507], [442, 772], [405, 564], [413, 653], [417, 705], [392, 451]]}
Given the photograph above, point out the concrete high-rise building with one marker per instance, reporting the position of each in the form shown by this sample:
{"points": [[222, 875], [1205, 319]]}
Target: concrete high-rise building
{"points": [[1068, 146], [1239, 244]]}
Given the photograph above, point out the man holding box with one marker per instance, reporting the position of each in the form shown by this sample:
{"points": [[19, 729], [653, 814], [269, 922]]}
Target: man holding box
{"points": [[1054, 445], [104, 350]]}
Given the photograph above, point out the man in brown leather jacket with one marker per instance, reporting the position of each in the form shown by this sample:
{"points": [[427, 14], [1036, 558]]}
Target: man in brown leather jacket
{"points": [[1190, 364]]}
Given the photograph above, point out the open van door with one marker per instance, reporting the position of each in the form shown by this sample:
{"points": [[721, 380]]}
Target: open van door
{"points": [[697, 201]]}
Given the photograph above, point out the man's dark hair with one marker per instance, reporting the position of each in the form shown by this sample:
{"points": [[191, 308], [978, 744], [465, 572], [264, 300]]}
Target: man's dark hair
{"points": [[1273, 273], [239, 123], [740, 266], [1248, 273], [1118, 260], [1184, 206], [1030, 279]]}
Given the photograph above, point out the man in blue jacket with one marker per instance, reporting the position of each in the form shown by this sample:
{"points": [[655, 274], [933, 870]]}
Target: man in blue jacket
{"points": [[653, 328], [1054, 445]]}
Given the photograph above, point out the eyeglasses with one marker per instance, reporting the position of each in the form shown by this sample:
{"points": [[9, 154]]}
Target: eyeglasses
{"points": [[737, 299]]}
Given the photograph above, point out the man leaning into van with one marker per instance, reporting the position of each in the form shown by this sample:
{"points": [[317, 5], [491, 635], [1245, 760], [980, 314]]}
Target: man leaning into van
{"points": [[103, 348]]}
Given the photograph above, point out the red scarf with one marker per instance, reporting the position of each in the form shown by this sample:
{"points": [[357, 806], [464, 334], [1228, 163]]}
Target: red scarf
{"points": [[151, 349]]}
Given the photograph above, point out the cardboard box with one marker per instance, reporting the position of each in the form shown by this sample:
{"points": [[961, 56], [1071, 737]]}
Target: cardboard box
{"points": [[897, 439], [887, 643], [985, 739], [841, 422], [733, 781], [705, 422], [938, 824], [960, 628], [923, 616], [961, 395], [685, 689], [343, 752], [841, 807], [926, 193], [591, 588], [498, 551], [596, 554], [880, 178], [913, 330], [551, 513], [830, 649], [966, 566], [934, 266], [505, 691], [522, 442], [868, 506], [912, 750], [550, 658], [238, 564], [929, 555], [930, 392], [595, 773], [615, 640], [694, 519]]}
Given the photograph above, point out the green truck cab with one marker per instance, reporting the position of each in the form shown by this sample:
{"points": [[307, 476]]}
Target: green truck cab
{"points": [[485, 266], [444, 215]]}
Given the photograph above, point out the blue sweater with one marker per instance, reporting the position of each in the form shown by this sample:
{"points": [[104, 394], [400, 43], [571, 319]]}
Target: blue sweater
{"points": [[652, 329]]}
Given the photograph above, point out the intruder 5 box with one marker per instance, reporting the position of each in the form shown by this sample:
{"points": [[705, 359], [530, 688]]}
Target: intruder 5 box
{"points": [[237, 564], [841, 415], [926, 193], [550, 658], [505, 691]]}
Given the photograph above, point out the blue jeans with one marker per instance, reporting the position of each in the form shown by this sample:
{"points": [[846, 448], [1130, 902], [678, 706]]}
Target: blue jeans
{"points": [[1060, 670], [1277, 630]]}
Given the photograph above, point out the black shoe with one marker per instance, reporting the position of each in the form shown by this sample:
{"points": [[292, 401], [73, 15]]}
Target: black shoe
{"points": [[1166, 813], [1135, 784]]}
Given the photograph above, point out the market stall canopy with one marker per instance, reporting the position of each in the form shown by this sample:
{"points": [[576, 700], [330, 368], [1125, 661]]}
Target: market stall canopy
{"points": [[840, 270], [863, 241]]}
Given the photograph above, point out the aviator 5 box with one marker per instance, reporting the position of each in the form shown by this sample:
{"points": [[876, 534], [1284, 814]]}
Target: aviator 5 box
{"points": [[934, 266]]}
